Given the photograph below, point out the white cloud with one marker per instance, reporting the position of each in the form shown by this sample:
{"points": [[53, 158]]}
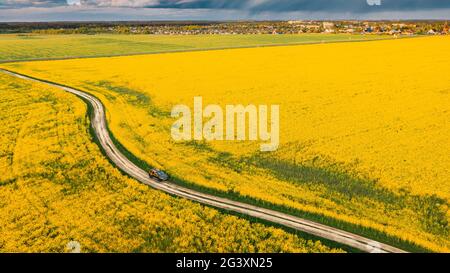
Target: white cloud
{"points": [[74, 2], [31, 3], [120, 3]]}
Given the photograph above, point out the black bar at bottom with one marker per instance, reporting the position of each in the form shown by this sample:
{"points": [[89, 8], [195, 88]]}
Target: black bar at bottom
{"points": [[221, 262]]}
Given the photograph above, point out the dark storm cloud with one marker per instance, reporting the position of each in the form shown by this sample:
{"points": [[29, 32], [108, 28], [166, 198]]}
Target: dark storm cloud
{"points": [[353, 6], [305, 5], [203, 4], [57, 10]]}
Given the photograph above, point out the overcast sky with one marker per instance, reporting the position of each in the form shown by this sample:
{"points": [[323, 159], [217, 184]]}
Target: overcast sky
{"points": [[98, 10]]}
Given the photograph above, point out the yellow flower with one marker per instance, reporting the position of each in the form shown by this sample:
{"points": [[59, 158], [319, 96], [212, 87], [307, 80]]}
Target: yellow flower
{"points": [[57, 188]]}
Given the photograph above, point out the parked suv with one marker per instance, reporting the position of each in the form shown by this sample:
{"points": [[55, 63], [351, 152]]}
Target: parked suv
{"points": [[158, 175]]}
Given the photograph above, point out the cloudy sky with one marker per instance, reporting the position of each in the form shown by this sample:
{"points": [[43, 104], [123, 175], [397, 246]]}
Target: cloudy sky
{"points": [[77, 10]]}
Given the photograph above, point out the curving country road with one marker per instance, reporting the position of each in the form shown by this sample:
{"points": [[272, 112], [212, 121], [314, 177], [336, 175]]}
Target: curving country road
{"points": [[98, 121]]}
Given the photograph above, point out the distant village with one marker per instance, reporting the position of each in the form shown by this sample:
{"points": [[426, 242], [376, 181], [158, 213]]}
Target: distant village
{"points": [[400, 28]]}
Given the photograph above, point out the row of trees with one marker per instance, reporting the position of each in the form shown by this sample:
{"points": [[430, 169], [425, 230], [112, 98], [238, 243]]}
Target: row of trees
{"points": [[291, 27]]}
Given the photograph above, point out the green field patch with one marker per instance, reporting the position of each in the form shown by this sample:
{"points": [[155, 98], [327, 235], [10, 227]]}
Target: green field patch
{"points": [[8, 181], [22, 47], [132, 96]]}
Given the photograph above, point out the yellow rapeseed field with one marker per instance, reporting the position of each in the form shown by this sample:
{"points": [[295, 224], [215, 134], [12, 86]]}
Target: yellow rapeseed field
{"points": [[364, 126], [56, 187]]}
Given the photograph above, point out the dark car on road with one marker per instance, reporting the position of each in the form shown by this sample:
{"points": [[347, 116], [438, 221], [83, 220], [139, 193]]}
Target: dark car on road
{"points": [[158, 175]]}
